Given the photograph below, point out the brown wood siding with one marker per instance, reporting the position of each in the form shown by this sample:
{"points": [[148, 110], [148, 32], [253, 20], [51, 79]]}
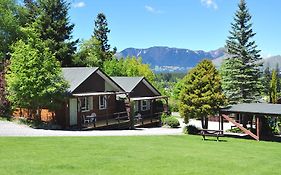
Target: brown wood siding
{"points": [[58, 116], [46, 115], [94, 83], [141, 90], [103, 113]]}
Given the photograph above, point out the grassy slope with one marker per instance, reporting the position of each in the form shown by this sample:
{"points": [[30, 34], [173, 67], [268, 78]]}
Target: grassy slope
{"points": [[137, 155]]}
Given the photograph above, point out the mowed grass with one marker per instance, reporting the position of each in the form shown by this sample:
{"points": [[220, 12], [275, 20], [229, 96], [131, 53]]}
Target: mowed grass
{"points": [[137, 155]]}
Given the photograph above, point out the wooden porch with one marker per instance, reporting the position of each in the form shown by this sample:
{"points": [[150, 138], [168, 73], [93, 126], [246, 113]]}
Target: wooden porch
{"points": [[121, 121]]}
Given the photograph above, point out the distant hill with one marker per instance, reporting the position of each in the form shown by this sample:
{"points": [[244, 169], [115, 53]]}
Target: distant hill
{"points": [[272, 61], [171, 58], [166, 59]]}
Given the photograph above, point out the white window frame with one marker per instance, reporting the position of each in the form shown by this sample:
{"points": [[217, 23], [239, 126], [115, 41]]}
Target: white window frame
{"points": [[86, 106], [145, 105], [102, 102]]}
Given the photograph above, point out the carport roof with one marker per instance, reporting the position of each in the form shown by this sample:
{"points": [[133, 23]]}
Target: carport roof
{"points": [[254, 108]]}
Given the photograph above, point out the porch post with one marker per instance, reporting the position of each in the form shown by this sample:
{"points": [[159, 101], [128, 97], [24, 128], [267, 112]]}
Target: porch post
{"points": [[131, 114], [151, 110], [106, 111]]}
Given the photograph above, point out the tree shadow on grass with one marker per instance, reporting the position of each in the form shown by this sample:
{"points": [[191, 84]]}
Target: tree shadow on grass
{"points": [[214, 140]]}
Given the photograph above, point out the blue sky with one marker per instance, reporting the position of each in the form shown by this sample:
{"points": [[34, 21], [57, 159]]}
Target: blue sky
{"points": [[191, 24]]}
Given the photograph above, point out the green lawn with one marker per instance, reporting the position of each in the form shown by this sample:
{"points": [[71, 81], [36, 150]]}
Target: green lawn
{"points": [[137, 155]]}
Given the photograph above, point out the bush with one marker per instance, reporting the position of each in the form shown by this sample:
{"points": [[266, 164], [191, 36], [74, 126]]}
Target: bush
{"points": [[164, 116], [171, 121], [234, 130], [191, 129], [174, 105]]}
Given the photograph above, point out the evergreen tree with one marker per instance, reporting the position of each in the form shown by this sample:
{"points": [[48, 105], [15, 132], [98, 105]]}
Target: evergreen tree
{"points": [[273, 87], [30, 12], [54, 27], [244, 58], [201, 94], [278, 78], [96, 51], [266, 81], [101, 31], [231, 84], [9, 28]]}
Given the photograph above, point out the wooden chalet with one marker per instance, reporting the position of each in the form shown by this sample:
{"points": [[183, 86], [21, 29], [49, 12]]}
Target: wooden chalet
{"points": [[92, 99], [95, 100], [144, 100]]}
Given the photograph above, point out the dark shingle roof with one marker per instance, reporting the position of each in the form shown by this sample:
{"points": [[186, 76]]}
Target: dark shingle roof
{"points": [[127, 83], [76, 75], [254, 108]]}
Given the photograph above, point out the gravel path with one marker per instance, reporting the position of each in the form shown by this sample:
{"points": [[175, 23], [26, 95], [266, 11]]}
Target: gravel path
{"points": [[12, 129]]}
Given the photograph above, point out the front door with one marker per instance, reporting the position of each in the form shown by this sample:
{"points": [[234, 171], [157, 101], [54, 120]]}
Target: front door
{"points": [[72, 111]]}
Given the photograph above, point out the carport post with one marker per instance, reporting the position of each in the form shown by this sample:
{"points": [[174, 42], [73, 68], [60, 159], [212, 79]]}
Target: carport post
{"points": [[258, 126]]}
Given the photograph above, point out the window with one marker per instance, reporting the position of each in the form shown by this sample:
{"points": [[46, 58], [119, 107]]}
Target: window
{"points": [[102, 102], [84, 104], [145, 105]]}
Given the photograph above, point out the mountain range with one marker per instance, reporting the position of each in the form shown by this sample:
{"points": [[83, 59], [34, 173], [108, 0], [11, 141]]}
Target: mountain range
{"points": [[166, 59]]}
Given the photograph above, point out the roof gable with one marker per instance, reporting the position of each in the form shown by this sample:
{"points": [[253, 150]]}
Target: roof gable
{"points": [[130, 83], [127, 83], [77, 75]]}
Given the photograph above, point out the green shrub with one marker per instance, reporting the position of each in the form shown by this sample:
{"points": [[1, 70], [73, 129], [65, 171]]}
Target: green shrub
{"points": [[191, 129], [174, 105], [234, 130], [171, 121], [164, 116]]}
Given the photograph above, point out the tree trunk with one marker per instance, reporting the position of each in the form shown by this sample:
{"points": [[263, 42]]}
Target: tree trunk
{"points": [[204, 122]]}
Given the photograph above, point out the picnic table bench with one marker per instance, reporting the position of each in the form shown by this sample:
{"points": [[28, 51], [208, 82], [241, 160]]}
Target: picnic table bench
{"points": [[213, 133]]}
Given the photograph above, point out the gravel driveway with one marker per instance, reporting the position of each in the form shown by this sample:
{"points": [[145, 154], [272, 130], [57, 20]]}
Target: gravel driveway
{"points": [[13, 129]]}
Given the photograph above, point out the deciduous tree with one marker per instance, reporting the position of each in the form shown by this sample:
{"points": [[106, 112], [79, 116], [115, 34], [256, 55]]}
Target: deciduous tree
{"points": [[34, 78]]}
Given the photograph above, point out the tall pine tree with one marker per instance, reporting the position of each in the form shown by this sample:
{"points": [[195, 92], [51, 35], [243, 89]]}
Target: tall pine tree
{"points": [[273, 87], [96, 50], [54, 27], [266, 82], [244, 58], [100, 33], [278, 78]]}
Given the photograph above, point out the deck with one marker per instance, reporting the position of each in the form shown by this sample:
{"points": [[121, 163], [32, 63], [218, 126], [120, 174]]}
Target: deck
{"points": [[121, 122]]}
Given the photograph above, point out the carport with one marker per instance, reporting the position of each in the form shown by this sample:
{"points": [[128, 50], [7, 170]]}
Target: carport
{"points": [[255, 110]]}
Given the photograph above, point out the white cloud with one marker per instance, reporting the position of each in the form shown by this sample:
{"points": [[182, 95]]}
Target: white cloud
{"points": [[79, 4], [152, 10], [210, 4]]}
